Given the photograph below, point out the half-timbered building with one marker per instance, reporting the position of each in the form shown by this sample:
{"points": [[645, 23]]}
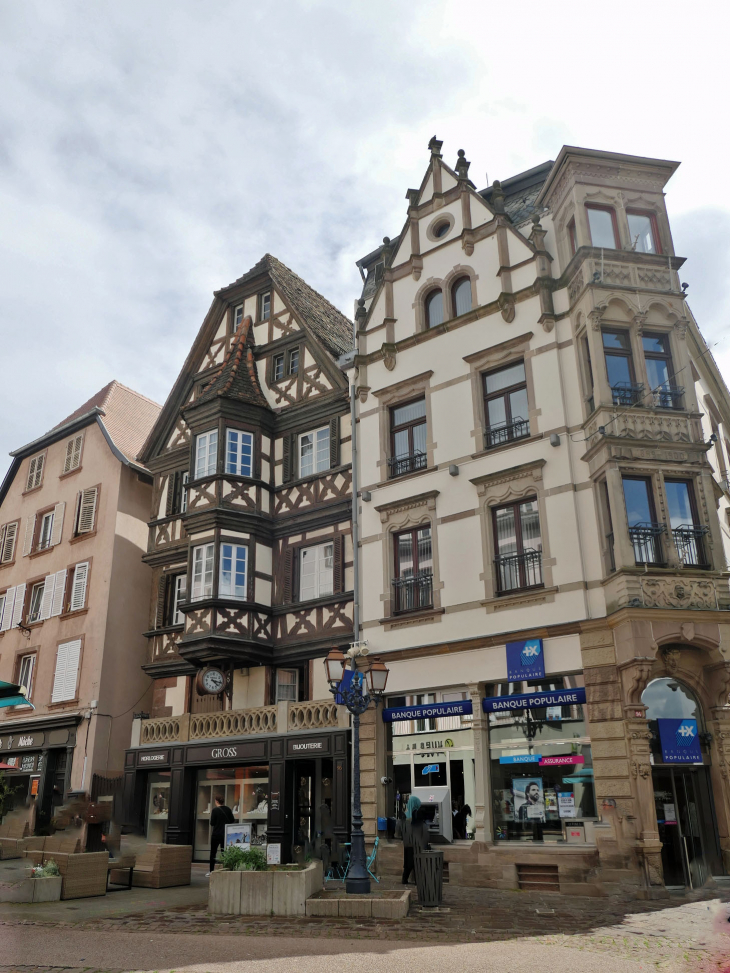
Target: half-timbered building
{"points": [[250, 546]]}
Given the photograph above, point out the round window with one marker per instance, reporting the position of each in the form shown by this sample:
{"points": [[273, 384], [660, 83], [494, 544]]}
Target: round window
{"points": [[441, 229]]}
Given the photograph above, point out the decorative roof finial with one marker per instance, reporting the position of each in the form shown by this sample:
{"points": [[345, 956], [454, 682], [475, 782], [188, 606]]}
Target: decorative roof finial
{"points": [[497, 197], [435, 147], [462, 166]]}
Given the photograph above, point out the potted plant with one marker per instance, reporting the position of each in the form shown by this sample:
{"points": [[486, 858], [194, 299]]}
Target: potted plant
{"points": [[247, 885], [46, 880]]}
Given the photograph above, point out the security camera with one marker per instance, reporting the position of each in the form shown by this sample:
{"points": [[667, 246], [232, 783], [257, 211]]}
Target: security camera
{"points": [[386, 780]]}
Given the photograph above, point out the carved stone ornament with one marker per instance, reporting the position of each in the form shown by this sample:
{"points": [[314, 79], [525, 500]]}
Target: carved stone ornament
{"points": [[507, 307], [640, 769], [596, 316], [389, 355], [688, 593], [671, 660], [362, 393], [681, 328], [688, 631]]}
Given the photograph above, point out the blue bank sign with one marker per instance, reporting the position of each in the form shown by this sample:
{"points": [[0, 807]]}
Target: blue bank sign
{"points": [[680, 741], [558, 697], [461, 707], [525, 660]]}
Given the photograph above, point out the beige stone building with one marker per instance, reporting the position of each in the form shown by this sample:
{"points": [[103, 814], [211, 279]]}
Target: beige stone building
{"points": [[73, 598], [543, 472]]}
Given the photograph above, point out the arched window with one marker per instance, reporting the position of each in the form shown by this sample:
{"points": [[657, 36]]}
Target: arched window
{"points": [[434, 309], [670, 699], [461, 295]]}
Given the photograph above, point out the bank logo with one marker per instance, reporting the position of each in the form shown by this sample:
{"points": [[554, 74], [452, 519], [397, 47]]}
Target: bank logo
{"points": [[530, 655], [686, 733], [448, 742]]}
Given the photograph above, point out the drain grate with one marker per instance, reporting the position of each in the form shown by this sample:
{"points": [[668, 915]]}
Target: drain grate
{"points": [[538, 878]]}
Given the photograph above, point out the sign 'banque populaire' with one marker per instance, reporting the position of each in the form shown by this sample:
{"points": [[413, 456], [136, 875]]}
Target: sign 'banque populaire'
{"points": [[557, 697], [396, 714]]}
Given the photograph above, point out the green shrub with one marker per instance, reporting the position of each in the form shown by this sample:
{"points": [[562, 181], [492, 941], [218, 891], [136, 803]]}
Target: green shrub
{"points": [[50, 869], [237, 859]]}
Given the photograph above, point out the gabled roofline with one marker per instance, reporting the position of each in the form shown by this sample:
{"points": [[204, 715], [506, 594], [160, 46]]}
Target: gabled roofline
{"points": [[596, 155], [58, 432]]}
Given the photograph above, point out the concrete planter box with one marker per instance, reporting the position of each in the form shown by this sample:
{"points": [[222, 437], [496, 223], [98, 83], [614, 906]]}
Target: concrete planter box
{"points": [[278, 893], [32, 890], [389, 904]]}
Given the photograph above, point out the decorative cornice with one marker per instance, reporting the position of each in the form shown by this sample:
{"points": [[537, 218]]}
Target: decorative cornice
{"points": [[408, 503], [533, 468]]}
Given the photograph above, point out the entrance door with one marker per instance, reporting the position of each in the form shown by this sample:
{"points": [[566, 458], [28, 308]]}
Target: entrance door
{"points": [[690, 853]]}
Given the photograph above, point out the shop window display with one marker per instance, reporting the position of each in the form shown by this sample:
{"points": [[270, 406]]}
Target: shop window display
{"points": [[245, 790], [541, 766], [158, 806]]}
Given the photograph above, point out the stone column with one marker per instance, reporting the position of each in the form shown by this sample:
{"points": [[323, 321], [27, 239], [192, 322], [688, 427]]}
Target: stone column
{"points": [[483, 830], [368, 772], [719, 727]]}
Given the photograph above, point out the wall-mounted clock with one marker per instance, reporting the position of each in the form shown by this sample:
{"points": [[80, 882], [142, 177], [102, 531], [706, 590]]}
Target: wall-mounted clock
{"points": [[210, 681]]}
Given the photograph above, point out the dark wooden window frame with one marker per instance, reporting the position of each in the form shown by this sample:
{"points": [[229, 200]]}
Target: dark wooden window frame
{"points": [[619, 352], [504, 394], [614, 223], [665, 356], [413, 532], [409, 426], [515, 505]]}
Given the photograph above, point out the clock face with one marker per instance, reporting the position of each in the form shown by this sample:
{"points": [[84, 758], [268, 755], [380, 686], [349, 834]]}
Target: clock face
{"points": [[213, 681]]}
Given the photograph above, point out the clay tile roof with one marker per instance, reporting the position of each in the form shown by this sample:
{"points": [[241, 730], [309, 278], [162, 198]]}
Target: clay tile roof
{"points": [[128, 416], [328, 324], [237, 377]]}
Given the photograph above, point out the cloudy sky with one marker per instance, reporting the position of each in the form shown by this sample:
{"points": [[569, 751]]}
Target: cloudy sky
{"points": [[152, 151]]}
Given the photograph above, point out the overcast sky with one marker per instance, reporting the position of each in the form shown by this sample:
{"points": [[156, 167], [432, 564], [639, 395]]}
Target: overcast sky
{"points": [[151, 152]]}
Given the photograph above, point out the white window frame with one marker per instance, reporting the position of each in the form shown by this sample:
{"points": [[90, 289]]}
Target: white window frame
{"points": [[279, 359], [184, 492], [237, 317], [288, 698], [206, 453], [80, 577], [238, 554], [202, 572], [290, 358], [47, 518], [38, 585], [27, 662], [320, 581], [262, 297], [179, 594], [238, 468], [318, 461]]}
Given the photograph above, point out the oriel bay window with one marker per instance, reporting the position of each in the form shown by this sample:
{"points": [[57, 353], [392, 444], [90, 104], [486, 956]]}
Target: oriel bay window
{"points": [[602, 227], [413, 580], [518, 546], [687, 532], [660, 372], [232, 577], [644, 531], [408, 438], [239, 452], [206, 453], [643, 232], [620, 368], [316, 571], [505, 405], [203, 558]]}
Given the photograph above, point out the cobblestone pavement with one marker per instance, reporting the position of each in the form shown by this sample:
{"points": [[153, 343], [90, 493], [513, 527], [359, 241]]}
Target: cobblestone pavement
{"points": [[693, 937]]}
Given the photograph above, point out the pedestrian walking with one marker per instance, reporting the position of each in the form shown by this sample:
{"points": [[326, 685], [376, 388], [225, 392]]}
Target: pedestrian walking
{"points": [[220, 816], [415, 836]]}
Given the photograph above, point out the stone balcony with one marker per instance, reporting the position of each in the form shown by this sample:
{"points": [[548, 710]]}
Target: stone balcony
{"points": [[316, 714], [622, 269], [644, 425]]}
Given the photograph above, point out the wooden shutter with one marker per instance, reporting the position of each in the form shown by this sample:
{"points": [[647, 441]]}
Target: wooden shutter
{"points": [[29, 532], [35, 472], [17, 616], [57, 528], [87, 511], [59, 589], [47, 599], [78, 588], [334, 442], [67, 668], [10, 534], [7, 610], [73, 454], [288, 580], [338, 562], [287, 470], [160, 611], [171, 493]]}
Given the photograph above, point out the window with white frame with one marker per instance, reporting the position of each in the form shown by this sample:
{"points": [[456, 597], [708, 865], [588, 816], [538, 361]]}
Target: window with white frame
{"points": [[184, 492], [25, 674], [316, 571], [314, 451], [203, 558], [239, 452], [78, 587], [287, 685], [35, 603], [237, 316], [206, 453], [179, 592], [72, 460], [35, 471], [67, 671], [46, 531], [232, 579], [265, 306]]}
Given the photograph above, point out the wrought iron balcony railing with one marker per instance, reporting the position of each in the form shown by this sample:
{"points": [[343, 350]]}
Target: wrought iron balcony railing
{"points": [[624, 393], [668, 398], [517, 571], [413, 594], [400, 465], [646, 539], [689, 541], [497, 435]]}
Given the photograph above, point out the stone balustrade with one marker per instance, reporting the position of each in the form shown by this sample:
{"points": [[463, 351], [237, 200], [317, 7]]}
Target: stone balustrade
{"points": [[233, 723], [313, 715]]}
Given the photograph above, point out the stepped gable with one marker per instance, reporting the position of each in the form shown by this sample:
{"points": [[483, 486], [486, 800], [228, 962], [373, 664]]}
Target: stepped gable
{"points": [[237, 377], [315, 312]]}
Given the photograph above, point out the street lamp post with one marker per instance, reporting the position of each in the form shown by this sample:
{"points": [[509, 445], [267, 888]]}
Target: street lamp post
{"points": [[367, 682]]}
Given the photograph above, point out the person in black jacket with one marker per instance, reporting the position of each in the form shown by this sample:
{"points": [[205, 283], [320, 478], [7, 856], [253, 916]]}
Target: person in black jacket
{"points": [[220, 816]]}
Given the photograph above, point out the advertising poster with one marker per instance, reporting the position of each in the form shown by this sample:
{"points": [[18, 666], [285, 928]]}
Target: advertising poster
{"points": [[273, 854], [529, 799], [566, 804], [238, 835], [525, 660], [680, 741], [551, 802], [670, 815], [506, 805]]}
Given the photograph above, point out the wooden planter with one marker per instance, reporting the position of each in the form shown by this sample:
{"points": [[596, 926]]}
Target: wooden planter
{"points": [[278, 893]]}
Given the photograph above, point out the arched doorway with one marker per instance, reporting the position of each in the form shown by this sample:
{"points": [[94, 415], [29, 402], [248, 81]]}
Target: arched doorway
{"points": [[685, 808]]}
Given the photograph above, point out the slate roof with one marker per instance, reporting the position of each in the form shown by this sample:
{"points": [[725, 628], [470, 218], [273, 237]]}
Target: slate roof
{"points": [[128, 416], [328, 324], [521, 191], [237, 377]]}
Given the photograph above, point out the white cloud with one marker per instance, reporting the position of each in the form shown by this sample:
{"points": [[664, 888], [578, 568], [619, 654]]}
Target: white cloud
{"points": [[150, 153]]}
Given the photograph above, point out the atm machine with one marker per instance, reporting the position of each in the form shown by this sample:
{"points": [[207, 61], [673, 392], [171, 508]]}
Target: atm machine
{"points": [[436, 804]]}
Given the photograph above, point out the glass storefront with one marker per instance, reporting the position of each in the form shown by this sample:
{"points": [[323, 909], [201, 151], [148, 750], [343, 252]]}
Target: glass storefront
{"points": [[158, 806], [541, 768], [245, 790]]}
